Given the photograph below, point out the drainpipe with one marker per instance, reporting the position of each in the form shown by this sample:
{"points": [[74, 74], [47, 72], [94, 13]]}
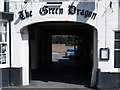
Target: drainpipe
{"points": [[10, 52], [6, 5]]}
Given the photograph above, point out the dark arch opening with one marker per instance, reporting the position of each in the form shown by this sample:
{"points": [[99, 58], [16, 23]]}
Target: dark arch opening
{"points": [[41, 66]]}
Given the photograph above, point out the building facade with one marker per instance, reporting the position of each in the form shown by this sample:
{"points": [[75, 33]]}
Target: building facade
{"points": [[98, 19]]}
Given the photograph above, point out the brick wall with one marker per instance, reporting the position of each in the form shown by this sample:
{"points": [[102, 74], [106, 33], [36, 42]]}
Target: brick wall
{"points": [[60, 47]]}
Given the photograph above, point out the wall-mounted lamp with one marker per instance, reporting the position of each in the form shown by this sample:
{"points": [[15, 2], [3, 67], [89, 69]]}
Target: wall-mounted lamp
{"points": [[104, 53], [24, 34]]}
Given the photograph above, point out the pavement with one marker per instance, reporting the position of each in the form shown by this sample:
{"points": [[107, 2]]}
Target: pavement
{"points": [[16, 88]]}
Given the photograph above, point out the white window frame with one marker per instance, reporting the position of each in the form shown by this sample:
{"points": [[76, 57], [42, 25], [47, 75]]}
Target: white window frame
{"points": [[5, 41]]}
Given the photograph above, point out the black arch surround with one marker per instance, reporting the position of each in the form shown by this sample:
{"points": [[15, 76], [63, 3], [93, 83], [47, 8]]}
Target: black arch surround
{"points": [[52, 25], [40, 44]]}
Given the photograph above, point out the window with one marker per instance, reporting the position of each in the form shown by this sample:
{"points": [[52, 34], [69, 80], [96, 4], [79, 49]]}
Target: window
{"points": [[117, 50], [3, 42]]}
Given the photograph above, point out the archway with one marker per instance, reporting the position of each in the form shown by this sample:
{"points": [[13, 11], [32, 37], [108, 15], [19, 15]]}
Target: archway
{"points": [[40, 45]]}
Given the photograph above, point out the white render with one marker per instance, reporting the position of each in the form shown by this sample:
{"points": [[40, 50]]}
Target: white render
{"points": [[106, 22], [1, 5]]}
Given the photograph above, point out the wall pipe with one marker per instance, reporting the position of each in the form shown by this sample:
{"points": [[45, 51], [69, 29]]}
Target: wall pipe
{"points": [[10, 62]]}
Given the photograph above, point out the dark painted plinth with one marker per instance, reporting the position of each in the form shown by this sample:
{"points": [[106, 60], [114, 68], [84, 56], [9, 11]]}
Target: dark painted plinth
{"points": [[15, 77], [108, 80]]}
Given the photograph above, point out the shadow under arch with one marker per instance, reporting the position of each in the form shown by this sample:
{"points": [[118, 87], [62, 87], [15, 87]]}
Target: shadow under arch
{"points": [[87, 33], [61, 23]]}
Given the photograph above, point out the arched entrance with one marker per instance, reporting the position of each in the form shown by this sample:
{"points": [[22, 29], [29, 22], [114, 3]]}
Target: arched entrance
{"points": [[40, 46]]}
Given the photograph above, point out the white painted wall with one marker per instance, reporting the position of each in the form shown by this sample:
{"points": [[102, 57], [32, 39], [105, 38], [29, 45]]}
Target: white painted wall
{"points": [[105, 23], [1, 5], [24, 52]]}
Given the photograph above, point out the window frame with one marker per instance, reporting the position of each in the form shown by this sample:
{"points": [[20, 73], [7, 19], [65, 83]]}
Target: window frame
{"points": [[3, 43], [116, 49]]}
